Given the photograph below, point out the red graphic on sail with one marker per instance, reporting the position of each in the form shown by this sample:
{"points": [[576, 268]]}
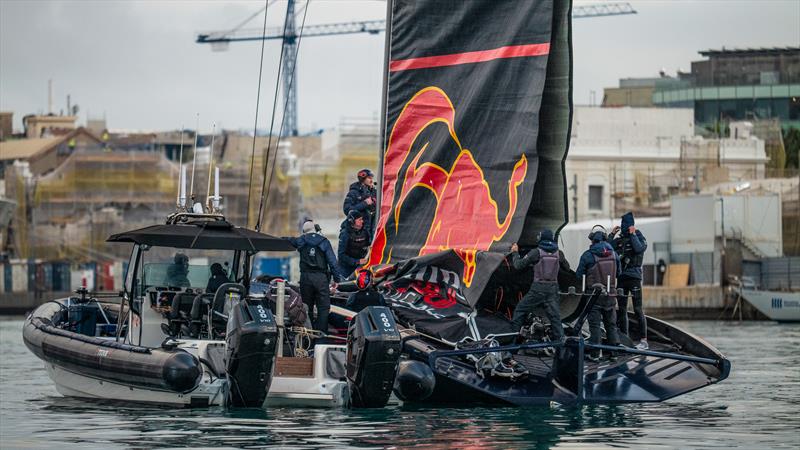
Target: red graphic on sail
{"points": [[462, 193]]}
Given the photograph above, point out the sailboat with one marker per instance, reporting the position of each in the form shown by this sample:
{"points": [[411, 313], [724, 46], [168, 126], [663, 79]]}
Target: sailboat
{"points": [[476, 123]]}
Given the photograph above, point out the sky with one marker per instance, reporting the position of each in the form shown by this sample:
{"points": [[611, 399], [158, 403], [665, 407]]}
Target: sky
{"points": [[136, 63]]}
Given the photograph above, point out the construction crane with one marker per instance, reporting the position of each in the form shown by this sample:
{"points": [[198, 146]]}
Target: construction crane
{"points": [[219, 41]]}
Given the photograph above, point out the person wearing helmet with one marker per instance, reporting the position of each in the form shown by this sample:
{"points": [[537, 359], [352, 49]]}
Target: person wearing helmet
{"points": [[630, 244], [362, 197], [317, 266], [353, 243], [600, 265], [547, 260]]}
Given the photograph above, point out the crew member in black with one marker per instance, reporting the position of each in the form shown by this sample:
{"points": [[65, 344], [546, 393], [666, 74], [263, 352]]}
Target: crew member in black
{"points": [[600, 264], [218, 278], [317, 266], [353, 243], [630, 246], [362, 197], [546, 260], [178, 271]]}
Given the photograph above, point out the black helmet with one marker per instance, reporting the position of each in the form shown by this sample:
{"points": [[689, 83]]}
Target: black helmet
{"points": [[353, 215], [598, 234], [365, 173]]}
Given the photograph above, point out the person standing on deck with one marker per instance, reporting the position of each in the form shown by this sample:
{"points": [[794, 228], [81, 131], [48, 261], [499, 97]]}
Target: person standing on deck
{"points": [[353, 243], [546, 260], [600, 264], [630, 246], [362, 197], [317, 266]]}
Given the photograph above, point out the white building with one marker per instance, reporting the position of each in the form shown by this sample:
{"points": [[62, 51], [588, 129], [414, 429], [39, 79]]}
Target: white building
{"points": [[634, 158]]}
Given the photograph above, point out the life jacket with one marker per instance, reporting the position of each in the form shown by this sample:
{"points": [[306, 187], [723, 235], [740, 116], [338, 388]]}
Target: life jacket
{"points": [[312, 259], [357, 243], [628, 257], [604, 267], [546, 270]]}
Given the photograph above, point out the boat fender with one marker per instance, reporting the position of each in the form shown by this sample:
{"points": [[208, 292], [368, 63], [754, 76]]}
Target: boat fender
{"points": [[373, 349], [181, 372], [414, 382]]}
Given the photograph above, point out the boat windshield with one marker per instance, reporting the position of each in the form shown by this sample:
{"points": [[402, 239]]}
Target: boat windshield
{"points": [[185, 268]]}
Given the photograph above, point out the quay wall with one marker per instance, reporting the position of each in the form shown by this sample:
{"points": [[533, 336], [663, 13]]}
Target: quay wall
{"points": [[702, 302]]}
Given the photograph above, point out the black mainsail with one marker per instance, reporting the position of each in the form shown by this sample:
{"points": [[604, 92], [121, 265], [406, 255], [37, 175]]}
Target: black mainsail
{"points": [[478, 109]]}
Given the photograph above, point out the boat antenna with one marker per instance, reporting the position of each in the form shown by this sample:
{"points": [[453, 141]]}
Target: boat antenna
{"points": [[180, 200], [285, 104], [255, 122], [210, 165], [194, 158]]}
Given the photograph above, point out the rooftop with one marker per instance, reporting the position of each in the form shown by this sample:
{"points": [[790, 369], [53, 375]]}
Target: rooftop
{"points": [[25, 148], [749, 51]]}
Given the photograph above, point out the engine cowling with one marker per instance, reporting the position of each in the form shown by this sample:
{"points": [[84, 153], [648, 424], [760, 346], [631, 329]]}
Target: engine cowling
{"points": [[373, 349]]}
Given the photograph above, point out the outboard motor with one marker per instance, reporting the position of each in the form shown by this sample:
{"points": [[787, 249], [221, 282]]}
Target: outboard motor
{"points": [[251, 337], [373, 349]]}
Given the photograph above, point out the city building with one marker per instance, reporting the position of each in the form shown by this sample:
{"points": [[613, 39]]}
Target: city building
{"points": [[623, 159], [44, 154], [738, 84], [6, 125], [37, 126], [636, 92]]}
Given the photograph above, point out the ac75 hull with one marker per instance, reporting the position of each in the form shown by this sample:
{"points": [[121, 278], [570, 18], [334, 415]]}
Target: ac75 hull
{"points": [[679, 363]]}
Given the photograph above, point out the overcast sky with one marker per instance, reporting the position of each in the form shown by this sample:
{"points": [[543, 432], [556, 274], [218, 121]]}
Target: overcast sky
{"points": [[137, 63]]}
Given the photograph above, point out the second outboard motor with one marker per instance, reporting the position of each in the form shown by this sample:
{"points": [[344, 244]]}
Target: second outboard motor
{"points": [[373, 349], [251, 337]]}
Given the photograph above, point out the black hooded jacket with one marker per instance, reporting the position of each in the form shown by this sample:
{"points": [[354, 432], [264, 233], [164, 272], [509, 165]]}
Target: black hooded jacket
{"points": [[356, 201]]}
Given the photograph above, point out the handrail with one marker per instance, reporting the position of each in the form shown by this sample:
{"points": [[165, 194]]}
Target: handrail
{"points": [[636, 351]]}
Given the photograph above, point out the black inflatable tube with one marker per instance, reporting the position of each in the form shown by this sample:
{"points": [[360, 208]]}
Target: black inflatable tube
{"points": [[130, 365]]}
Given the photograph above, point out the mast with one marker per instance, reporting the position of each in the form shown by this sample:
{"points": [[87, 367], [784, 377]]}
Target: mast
{"points": [[384, 94]]}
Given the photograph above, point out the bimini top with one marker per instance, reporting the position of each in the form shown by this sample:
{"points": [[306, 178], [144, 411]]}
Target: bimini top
{"points": [[204, 234]]}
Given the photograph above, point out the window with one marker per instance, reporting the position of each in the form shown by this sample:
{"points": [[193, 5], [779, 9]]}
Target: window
{"points": [[596, 197]]}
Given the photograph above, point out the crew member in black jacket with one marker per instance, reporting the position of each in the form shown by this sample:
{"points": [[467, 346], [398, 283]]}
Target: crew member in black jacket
{"points": [[630, 245], [362, 197], [353, 243], [317, 266], [546, 260]]}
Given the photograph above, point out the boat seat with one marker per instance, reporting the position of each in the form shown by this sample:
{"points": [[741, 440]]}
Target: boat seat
{"points": [[181, 305], [215, 305], [178, 313]]}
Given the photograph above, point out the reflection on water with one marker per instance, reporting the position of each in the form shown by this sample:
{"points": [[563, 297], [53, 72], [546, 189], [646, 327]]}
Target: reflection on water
{"points": [[755, 408]]}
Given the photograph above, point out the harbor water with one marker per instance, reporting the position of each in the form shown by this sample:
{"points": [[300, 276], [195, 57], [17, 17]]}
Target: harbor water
{"points": [[757, 407]]}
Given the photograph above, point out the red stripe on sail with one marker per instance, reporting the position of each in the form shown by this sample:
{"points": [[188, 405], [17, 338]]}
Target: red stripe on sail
{"points": [[509, 51]]}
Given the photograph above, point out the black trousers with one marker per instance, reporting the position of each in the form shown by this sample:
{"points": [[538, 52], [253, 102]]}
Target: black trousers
{"points": [[546, 298], [603, 313], [315, 291], [632, 287]]}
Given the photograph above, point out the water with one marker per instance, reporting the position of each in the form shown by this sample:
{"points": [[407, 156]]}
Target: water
{"points": [[757, 407]]}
